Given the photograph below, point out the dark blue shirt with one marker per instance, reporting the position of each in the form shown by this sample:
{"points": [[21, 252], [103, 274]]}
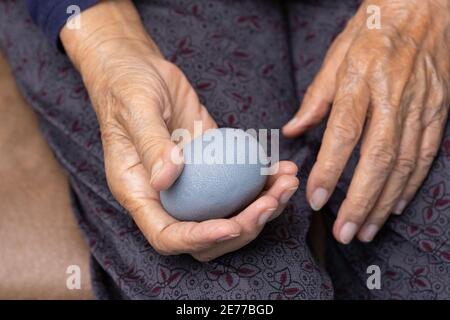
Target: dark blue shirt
{"points": [[52, 15]]}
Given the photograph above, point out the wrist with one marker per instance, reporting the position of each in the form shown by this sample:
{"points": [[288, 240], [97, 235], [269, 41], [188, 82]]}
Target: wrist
{"points": [[105, 26]]}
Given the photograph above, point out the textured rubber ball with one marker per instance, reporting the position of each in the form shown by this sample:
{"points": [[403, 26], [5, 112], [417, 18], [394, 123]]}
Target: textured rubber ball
{"points": [[222, 174]]}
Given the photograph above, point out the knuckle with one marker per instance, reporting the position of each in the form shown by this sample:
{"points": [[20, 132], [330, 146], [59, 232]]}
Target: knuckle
{"points": [[110, 132], [405, 166], [414, 121], [436, 117], [167, 70], [382, 157], [172, 69], [329, 168], [427, 156], [128, 201], [159, 246], [346, 131], [148, 145], [361, 204], [138, 101], [393, 39], [126, 115], [358, 59], [108, 136], [359, 207], [386, 41], [124, 200]]}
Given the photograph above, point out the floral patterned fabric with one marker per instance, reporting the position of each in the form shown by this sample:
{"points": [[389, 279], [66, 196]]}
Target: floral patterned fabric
{"points": [[250, 62]]}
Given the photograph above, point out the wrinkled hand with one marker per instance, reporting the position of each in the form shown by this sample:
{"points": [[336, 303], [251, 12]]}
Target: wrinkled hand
{"points": [[390, 88], [139, 99]]}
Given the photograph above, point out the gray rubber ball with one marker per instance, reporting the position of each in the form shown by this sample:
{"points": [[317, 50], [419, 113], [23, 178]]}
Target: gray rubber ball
{"points": [[222, 174]]}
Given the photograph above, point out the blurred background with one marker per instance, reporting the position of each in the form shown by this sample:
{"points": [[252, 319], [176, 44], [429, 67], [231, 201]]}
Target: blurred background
{"points": [[39, 237]]}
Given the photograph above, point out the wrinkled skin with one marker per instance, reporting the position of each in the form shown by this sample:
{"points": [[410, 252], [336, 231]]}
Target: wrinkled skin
{"points": [[139, 99], [388, 88]]}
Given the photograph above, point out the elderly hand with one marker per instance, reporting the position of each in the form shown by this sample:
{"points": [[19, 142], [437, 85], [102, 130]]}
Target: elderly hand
{"points": [[390, 87], [139, 99]]}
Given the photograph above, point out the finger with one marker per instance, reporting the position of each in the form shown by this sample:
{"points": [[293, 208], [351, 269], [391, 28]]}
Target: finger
{"points": [[435, 117], [278, 212], [146, 127], [407, 155], [378, 155], [429, 148], [284, 168], [187, 108], [169, 236], [283, 188], [340, 138], [255, 216], [251, 220], [405, 164], [320, 94], [190, 237]]}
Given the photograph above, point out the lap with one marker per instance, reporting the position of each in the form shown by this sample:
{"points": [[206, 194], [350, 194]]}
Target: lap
{"points": [[243, 83], [39, 236]]}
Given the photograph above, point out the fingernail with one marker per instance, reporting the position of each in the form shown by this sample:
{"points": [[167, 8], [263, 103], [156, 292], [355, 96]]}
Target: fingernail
{"points": [[228, 237], [265, 216], [287, 195], [292, 123], [348, 232], [156, 169], [318, 199], [369, 232], [401, 205]]}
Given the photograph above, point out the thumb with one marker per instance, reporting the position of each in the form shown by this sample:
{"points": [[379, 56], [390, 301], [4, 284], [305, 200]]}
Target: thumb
{"points": [[159, 155]]}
